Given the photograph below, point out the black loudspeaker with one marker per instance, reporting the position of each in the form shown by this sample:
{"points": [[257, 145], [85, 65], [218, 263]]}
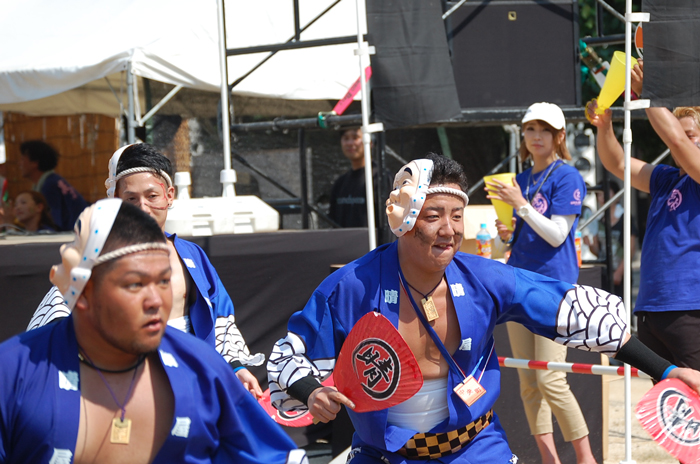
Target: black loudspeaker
{"points": [[514, 53]]}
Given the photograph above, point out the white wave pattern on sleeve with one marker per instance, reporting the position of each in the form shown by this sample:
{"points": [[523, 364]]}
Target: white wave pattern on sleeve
{"points": [[591, 319], [52, 307], [231, 345], [297, 456], [288, 364]]}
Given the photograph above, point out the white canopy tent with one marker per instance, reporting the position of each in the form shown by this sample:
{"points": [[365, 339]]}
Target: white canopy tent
{"points": [[57, 54], [68, 57]]}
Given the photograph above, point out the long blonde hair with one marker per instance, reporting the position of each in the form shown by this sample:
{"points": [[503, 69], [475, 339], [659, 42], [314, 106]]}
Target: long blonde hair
{"points": [[560, 148]]}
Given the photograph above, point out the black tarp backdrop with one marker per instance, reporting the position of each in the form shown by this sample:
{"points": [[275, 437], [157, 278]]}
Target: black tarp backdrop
{"points": [[490, 54], [511, 54], [672, 53], [412, 80]]}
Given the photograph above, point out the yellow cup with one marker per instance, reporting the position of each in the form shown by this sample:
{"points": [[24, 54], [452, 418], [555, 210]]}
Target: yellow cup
{"points": [[614, 83], [503, 210]]}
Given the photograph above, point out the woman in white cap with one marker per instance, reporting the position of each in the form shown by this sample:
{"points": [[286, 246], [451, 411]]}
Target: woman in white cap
{"points": [[547, 199]]}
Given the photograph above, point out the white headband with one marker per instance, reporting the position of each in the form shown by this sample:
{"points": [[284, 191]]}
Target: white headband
{"points": [[451, 191], [111, 182], [412, 207]]}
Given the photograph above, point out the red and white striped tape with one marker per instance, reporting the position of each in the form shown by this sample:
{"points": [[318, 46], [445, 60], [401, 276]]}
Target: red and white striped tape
{"points": [[574, 368]]}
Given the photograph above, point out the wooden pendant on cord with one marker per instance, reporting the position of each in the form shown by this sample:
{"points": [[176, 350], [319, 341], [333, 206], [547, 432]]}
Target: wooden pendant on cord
{"points": [[121, 431], [429, 308]]}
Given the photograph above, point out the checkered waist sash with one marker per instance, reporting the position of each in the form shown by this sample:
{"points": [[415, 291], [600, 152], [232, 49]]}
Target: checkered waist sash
{"points": [[437, 445]]}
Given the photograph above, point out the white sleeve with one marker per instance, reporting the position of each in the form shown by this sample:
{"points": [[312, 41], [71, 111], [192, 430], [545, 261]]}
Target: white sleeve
{"points": [[231, 345], [287, 364], [52, 307], [591, 319], [555, 230]]}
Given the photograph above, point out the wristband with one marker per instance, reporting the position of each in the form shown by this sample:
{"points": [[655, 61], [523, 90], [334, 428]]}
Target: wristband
{"points": [[668, 371], [236, 365], [640, 356], [302, 388]]}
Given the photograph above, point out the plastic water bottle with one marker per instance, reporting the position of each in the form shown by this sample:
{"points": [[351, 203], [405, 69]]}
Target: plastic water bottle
{"points": [[577, 244], [483, 242]]}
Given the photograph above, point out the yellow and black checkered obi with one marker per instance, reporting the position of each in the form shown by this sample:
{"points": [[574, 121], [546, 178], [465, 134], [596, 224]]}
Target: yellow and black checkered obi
{"points": [[438, 445]]}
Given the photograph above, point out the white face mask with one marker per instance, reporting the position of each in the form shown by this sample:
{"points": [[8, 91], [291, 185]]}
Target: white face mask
{"points": [[406, 200], [411, 187], [77, 258]]}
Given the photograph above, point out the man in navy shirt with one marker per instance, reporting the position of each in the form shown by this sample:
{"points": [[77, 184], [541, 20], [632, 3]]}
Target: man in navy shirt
{"points": [[37, 163], [348, 196]]}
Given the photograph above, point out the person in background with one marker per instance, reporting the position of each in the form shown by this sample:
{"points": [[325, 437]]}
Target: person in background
{"points": [[547, 199], [667, 309], [348, 199], [37, 163], [31, 212], [597, 244], [141, 175]]}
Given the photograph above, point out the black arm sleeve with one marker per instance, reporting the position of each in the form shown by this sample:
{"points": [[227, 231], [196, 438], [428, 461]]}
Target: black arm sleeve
{"points": [[302, 388], [640, 356]]}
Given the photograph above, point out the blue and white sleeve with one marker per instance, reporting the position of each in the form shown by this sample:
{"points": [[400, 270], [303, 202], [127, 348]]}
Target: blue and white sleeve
{"points": [[307, 352], [576, 316]]}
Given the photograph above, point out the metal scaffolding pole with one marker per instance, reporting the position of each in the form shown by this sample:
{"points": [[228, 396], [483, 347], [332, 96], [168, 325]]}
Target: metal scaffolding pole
{"points": [[363, 51], [627, 145], [130, 119]]}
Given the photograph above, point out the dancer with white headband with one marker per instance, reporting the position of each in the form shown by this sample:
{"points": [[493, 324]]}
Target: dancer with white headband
{"points": [[141, 175], [109, 383], [445, 304]]}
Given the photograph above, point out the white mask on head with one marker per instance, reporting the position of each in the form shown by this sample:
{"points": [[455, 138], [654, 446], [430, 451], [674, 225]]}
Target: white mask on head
{"points": [[411, 187], [79, 257]]}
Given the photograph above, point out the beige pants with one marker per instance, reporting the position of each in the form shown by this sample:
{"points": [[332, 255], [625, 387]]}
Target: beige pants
{"points": [[545, 392]]}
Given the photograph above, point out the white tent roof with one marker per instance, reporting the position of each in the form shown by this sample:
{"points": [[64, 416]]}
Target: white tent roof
{"points": [[56, 54]]}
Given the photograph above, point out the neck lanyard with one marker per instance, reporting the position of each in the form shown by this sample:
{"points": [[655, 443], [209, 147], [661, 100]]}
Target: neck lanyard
{"points": [[549, 171], [436, 339], [111, 392]]}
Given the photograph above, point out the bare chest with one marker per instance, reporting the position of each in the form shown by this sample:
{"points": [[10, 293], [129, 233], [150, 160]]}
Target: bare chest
{"points": [[150, 415], [179, 282], [446, 326]]}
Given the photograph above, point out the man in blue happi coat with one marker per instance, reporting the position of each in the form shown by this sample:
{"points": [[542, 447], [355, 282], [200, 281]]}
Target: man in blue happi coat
{"points": [[139, 174], [445, 304], [112, 382]]}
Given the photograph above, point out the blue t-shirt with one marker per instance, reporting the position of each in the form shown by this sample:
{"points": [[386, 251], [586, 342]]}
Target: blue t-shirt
{"points": [[562, 193], [65, 202], [670, 275]]}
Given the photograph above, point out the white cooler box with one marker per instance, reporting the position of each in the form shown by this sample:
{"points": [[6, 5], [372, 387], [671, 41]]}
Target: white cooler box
{"points": [[221, 215]]}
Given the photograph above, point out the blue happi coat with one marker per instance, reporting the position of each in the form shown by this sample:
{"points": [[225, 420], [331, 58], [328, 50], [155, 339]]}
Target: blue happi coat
{"points": [[484, 293], [215, 419]]}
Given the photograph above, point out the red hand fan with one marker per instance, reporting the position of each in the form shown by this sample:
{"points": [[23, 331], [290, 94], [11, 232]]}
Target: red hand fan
{"points": [[289, 418], [670, 412], [375, 368]]}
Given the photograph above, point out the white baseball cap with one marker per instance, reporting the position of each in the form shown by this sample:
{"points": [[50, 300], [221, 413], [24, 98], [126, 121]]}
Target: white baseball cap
{"points": [[547, 112]]}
